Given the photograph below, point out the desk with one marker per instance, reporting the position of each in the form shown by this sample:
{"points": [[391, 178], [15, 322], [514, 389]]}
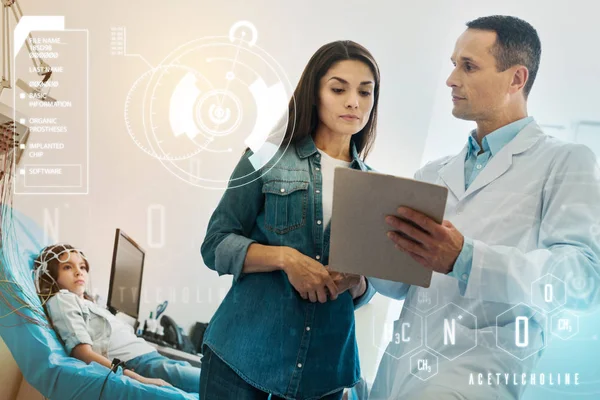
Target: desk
{"points": [[178, 354]]}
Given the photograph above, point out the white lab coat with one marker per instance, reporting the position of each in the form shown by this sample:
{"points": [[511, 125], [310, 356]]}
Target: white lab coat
{"points": [[533, 210]]}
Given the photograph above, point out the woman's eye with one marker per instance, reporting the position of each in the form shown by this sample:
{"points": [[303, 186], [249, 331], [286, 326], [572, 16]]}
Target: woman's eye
{"points": [[336, 90], [468, 67], [365, 93]]}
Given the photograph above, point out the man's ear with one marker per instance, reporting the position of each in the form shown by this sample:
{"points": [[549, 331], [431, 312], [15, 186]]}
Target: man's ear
{"points": [[520, 78]]}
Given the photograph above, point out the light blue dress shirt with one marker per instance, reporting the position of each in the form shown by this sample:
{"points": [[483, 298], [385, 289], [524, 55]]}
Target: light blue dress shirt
{"points": [[474, 164]]}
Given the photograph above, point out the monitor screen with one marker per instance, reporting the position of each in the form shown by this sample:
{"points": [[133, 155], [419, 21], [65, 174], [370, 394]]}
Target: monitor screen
{"points": [[126, 276]]}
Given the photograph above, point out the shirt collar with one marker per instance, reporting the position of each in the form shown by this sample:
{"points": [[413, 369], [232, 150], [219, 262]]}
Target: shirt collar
{"points": [[306, 148], [495, 141]]}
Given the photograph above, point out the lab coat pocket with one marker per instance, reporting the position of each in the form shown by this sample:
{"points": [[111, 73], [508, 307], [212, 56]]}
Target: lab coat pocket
{"points": [[510, 218]]}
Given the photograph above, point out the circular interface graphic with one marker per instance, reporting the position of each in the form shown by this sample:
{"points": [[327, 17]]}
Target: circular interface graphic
{"points": [[206, 103]]}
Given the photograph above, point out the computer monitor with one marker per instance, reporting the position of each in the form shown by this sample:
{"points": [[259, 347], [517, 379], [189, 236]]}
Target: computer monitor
{"points": [[124, 290]]}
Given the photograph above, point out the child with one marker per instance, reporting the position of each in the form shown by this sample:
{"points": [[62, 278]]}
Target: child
{"points": [[92, 333]]}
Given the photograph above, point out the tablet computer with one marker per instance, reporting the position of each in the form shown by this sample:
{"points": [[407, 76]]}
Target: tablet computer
{"points": [[359, 242]]}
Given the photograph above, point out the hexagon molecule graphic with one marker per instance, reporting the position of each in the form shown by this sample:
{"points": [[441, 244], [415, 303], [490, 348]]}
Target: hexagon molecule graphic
{"points": [[564, 324], [548, 293], [451, 331], [518, 333], [427, 299], [401, 337], [424, 365]]}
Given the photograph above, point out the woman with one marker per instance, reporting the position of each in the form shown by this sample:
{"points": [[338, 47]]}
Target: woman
{"points": [[286, 326], [90, 332]]}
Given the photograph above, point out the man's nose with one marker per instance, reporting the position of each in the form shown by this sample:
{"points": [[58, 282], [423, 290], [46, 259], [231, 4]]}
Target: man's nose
{"points": [[452, 80]]}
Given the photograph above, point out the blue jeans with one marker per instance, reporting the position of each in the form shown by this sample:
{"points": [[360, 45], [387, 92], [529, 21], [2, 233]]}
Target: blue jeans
{"points": [[219, 382], [180, 374]]}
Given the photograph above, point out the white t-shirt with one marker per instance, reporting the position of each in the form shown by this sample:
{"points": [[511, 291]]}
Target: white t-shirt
{"points": [[328, 165], [123, 344]]}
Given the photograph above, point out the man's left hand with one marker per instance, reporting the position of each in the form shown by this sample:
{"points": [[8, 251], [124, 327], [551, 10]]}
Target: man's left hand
{"points": [[434, 246], [355, 284]]}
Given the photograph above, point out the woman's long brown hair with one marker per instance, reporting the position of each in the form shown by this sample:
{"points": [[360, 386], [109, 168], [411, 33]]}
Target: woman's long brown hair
{"points": [[303, 118]]}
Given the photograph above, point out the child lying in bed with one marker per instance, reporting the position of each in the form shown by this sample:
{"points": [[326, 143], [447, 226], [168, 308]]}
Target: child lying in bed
{"points": [[92, 333]]}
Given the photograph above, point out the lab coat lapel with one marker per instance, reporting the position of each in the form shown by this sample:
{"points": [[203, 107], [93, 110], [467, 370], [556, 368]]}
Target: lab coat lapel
{"points": [[502, 161], [453, 173]]}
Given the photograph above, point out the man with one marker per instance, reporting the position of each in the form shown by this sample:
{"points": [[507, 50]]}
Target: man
{"points": [[523, 207]]}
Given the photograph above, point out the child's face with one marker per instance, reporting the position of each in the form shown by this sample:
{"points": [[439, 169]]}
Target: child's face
{"points": [[72, 272]]}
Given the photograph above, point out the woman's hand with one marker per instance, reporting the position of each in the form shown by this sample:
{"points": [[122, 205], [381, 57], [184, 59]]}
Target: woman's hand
{"points": [[309, 277], [356, 284]]}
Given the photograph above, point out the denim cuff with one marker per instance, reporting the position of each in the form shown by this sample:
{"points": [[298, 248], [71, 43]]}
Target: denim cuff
{"points": [[231, 254]]}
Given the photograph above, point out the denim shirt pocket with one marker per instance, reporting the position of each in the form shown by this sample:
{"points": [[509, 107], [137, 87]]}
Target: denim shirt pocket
{"points": [[286, 203]]}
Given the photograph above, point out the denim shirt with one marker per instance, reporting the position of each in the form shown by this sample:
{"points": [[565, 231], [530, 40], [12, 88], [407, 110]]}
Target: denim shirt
{"points": [[274, 339]]}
